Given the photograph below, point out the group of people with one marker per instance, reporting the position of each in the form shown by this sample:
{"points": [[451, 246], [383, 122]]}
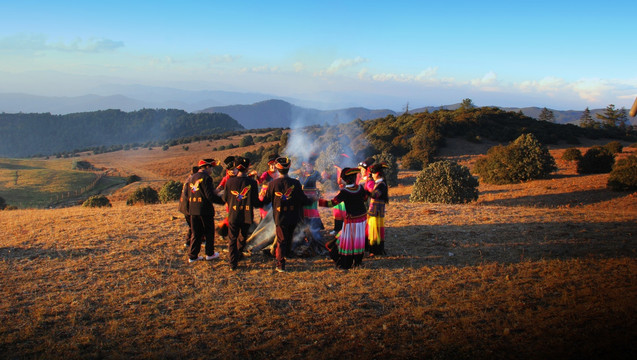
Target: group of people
{"points": [[359, 208]]}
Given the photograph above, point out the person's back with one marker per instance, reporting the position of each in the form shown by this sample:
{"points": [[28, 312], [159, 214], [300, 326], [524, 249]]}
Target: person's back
{"points": [[287, 199]]}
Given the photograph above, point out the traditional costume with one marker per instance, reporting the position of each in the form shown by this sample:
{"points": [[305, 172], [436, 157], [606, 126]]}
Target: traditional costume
{"points": [[351, 242], [241, 197], [379, 197], [287, 200]]}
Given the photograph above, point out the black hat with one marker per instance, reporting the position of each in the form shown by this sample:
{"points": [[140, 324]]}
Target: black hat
{"points": [[272, 158], [241, 163], [376, 168], [283, 163], [229, 161], [349, 174], [367, 163]]}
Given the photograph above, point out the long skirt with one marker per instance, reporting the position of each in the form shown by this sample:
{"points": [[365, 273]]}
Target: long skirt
{"points": [[351, 242], [376, 234]]}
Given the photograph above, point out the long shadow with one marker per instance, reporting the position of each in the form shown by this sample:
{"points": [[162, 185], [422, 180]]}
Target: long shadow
{"points": [[9, 166], [585, 197], [32, 253], [417, 246]]}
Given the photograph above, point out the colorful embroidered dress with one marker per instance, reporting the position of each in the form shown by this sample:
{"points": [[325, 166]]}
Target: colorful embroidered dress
{"points": [[351, 242], [376, 217]]}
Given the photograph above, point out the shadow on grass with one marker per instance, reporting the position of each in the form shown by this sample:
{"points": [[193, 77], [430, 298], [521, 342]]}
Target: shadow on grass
{"points": [[33, 253], [449, 245], [576, 198]]}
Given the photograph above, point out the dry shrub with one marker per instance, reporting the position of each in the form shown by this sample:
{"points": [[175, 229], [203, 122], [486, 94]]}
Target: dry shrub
{"points": [[596, 160], [624, 174], [97, 201], [445, 182], [572, 154], [144, 195], [171, 191], [522, 160]]}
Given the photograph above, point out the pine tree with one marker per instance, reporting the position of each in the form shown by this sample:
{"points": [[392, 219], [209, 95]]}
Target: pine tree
{"points": [[587, 121], [547, 115], [613, 118]]}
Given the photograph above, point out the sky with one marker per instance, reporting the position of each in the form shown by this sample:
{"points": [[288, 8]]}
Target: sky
{"points": [[564, 55]]}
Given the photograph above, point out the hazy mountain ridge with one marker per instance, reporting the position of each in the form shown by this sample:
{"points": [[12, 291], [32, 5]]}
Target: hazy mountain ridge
{"points": [[279, 113]]}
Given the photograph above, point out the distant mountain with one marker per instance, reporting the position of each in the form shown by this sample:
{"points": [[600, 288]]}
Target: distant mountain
{"points": [[43, 133], [279, 113]]}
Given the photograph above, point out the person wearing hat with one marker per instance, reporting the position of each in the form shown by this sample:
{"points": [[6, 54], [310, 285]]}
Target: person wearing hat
{"points": [[309, 178], [351, 242], [379, 197], [241, 197], [365, 177], [222, 228], [265, 179], [183, 204], [201, 196], [287, 199]]}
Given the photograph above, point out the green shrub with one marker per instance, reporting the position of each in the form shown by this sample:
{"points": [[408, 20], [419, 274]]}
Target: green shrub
{"points": [[614, 147], [391, 172], [624, 174], [132, 178], [145, 195], [445, 182], [596, 160], [171, 191], [165, 147], [3, 203], [82, 165], [97, 201], [572, 154], [522, 160]]}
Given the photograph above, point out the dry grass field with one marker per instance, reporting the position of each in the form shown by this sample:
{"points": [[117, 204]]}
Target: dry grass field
{"points": [[544, 269]]}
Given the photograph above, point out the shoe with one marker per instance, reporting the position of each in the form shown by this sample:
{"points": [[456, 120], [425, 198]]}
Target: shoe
{"points": [[197, 259], [212, 257], [332, 232], [280, 270]]}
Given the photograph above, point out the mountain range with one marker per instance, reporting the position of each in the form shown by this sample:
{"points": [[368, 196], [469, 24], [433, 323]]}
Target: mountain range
{"points": [[252, 110]]}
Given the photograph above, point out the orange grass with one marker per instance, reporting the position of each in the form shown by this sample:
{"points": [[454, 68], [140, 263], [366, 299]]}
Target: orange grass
{"points": [[545, 269]]}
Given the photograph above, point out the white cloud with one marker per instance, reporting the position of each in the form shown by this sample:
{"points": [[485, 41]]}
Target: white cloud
{"points": [[39, 42], [298, 66], [339, 65], [223, 59]]}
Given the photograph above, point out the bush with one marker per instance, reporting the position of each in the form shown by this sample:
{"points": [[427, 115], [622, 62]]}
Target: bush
{"points": [[624, 174], [145, 195], [165, 147], [445, 182], [246, 141], [131, 179], [391, 173], [82, 165], [597, 160], [97, 201], [522, 160], [171, 191], [572, 154], [614, 147], [3, 203]]}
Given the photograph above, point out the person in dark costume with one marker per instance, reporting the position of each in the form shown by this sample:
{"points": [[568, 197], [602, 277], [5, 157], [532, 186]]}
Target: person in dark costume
{"points": [[201, 196], [241, 197], [379, 198], [288, 199], [183, 205], [351, 242]]}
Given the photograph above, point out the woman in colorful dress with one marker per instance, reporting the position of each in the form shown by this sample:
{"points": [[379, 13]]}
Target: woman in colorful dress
{"points": [[351, 242], [379, 198]]}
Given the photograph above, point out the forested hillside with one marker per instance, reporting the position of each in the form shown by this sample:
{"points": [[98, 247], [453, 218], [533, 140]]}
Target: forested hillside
{"points": [[24, 135]]}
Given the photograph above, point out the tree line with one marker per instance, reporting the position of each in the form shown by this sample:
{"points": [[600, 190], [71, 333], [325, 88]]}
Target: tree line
{"points": [[23, 135]]}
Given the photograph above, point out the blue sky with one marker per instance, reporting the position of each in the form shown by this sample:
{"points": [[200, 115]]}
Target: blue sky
{"points": [[559, 54]]}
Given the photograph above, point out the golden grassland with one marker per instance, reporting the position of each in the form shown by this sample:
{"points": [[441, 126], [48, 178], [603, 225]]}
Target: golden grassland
{"points": [[37, 183], [544, 269]]}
